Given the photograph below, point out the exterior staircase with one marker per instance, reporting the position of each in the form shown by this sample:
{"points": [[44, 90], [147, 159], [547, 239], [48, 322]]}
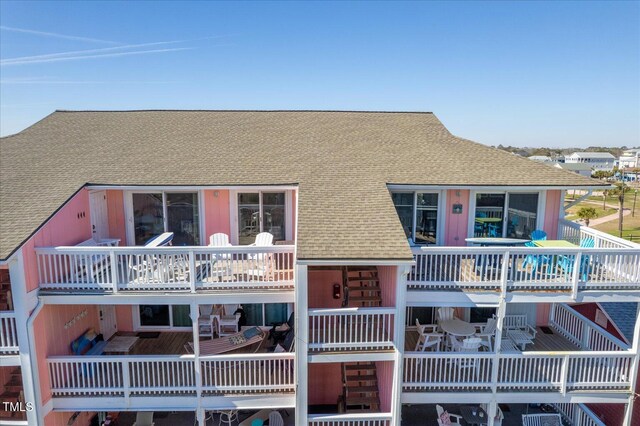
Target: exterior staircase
{"points": [[361, 287], [360, 388], [13, 392]]}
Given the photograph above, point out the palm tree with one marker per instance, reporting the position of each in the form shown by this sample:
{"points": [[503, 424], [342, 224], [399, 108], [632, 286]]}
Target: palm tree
{"points": [[619, 191], [604, 199], [587, 213]]}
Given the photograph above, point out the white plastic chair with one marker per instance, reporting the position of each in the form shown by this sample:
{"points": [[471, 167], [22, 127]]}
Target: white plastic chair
{"points": [[428, 340], [426, 328], [205, 320], [487, 333], [455, 418], [229, 322], [219, 239], [263, 268], [263, 239], [144, 418], [446, 314], [275, 419]]}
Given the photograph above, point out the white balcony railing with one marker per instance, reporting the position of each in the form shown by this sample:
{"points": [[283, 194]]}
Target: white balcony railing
{"points": [[189, 269], [578, 414], [168, 374], [581, 331], [351, 329], [8, 333], [529, 268], [527, 371], [358, 419]]}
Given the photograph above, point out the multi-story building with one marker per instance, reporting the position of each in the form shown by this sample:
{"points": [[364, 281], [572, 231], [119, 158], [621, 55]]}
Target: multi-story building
{"points": [[629, 159], [597, 160], [369, 243]]}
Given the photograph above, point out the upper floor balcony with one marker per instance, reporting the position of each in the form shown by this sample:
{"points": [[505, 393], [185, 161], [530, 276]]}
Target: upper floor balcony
{"points": [[582, 259]]}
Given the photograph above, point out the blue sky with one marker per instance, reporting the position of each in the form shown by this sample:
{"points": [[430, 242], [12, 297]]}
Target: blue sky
{"points": [[513, 73]]}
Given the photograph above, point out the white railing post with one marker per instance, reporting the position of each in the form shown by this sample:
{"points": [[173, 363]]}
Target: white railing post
{"points": [[192, 271], [126, 380], [301, 344], [575, 277], [635, 364], [502, 309], [505, 274], [564, 375], [586, 334], [114, 270]]}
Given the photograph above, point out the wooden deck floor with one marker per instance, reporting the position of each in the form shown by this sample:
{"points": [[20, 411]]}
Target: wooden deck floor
{"points": [[173, 343], [543, 342]]}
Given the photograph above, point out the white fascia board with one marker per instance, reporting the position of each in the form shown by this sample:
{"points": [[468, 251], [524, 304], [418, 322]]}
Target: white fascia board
{"points": [[241, 296], [474, 299], [479, 397], [249, 402], [347, 262], [9, 360], [286, 186], [401, 187]]}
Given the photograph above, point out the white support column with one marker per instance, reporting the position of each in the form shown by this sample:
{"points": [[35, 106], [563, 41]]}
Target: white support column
{"points": [[635, 348], [502, 309], [301, 343], [194, 313], [399, 329], [492, 411], [28, 361]]}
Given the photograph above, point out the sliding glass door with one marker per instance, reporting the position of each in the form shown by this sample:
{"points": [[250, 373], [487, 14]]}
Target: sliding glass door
{"points": [[164, 316], [511, 214], [260, 212], [158, 212]]}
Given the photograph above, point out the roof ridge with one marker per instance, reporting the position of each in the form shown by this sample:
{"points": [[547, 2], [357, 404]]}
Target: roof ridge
{"points": [[247, 110]]}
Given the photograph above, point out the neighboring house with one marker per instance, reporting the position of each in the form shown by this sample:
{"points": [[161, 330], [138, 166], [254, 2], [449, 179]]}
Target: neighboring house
{"points": [[630, 159], [541, 159], [581, 169], [370, 258], [597, 160]]}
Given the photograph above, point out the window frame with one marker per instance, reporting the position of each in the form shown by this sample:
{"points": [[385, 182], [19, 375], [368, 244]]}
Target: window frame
{"points": [[542, 197], [439, 208]]}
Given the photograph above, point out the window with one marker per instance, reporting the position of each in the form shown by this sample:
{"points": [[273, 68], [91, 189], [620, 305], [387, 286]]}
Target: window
{"points": [[265, 314], [512, 214], [164, 315], [261, 212], [418, 214], [155, 213]]}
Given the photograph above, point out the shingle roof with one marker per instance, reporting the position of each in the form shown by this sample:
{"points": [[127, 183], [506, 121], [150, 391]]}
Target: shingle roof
{"points": [[341, 161], [589, 154], [574, 166], [623, 315]]}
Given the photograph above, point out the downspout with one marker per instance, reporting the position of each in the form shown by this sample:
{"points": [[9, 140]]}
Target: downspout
{"points": [[34, 361]]}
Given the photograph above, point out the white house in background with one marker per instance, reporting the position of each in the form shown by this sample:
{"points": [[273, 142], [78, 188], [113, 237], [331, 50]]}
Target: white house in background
{"points": [[541, 158], [597, 160], [630, 159], [580, 168]]}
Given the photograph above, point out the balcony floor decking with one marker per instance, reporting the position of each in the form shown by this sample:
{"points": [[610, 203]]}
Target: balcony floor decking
{"points": [[542, 343]]}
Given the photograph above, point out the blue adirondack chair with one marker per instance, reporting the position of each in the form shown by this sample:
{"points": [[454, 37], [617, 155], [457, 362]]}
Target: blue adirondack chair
{"points": [[538, 235]]}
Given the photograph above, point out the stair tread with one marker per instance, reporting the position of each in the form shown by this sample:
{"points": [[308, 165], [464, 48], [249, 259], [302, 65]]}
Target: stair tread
{"points": [[362, 400], [364, 279], [361, 378], [364, 298], [366, 366], [362, 389], [364, 288]]}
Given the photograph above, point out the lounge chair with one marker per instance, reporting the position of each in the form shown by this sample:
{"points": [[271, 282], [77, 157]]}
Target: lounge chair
{"points": [[247, 337], [275, 419], [160, 240]]}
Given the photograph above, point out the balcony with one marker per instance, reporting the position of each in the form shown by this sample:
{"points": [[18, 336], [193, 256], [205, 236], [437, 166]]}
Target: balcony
{"points": [[571, 355], [8, 333], [177, 269], [351, 329], [360, 419], [613, 264]]}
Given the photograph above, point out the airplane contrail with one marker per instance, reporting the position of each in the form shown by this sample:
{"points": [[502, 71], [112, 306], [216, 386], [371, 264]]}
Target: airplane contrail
{"points": [[55, 35], [105, 55]]}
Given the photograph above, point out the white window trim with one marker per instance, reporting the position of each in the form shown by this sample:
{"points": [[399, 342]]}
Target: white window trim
{"points": [[440, 213], [542, 197], [233, 211], [129, 220]]}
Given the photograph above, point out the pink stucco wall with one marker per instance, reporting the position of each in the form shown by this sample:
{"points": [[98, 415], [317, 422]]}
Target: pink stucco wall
{"points": [[216, 213], [53, 339], [384, 371], [69, 226], [551, 213], [320, 287], [325, 383], [124, 317], [115, 207], [456, 224], [542, 314], [388, 280]]}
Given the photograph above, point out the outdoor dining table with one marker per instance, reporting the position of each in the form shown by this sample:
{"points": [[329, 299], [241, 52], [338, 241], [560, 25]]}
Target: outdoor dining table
{"points": [[479, 418], [553, 243], [457, 327], [489, 241]]}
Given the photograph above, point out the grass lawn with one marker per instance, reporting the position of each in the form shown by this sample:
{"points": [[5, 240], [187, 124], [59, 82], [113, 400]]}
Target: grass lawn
{"points": [[572, 212], [631, 226]]}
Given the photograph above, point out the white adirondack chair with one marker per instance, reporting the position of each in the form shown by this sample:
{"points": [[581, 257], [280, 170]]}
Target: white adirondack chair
{"points": [[144, 418], [445, 314], [487, 333], [275, 419], [547, 419], [264, 267], [499, 417], [455, 418], [219, 239], [425, 328], [428, 340], [205, 320]]}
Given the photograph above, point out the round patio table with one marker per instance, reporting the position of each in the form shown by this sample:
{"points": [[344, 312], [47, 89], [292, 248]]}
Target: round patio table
{"points": [[488, 241], [457, 327]]}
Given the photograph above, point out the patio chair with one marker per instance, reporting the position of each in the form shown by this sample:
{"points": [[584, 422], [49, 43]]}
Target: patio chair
{"points": [[566, 264], [275, 419], [144, 418], [494, 230], [487, 333], [499, 417], [446, 314], [429, 340], [219, 239], [547, 419], [279, 331], [445, 417], [535, 260], [160, 240], [426, 328], [538, 235], [587, 242], [470, 344], [229, 321], [263, 261], [205, 320]]}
